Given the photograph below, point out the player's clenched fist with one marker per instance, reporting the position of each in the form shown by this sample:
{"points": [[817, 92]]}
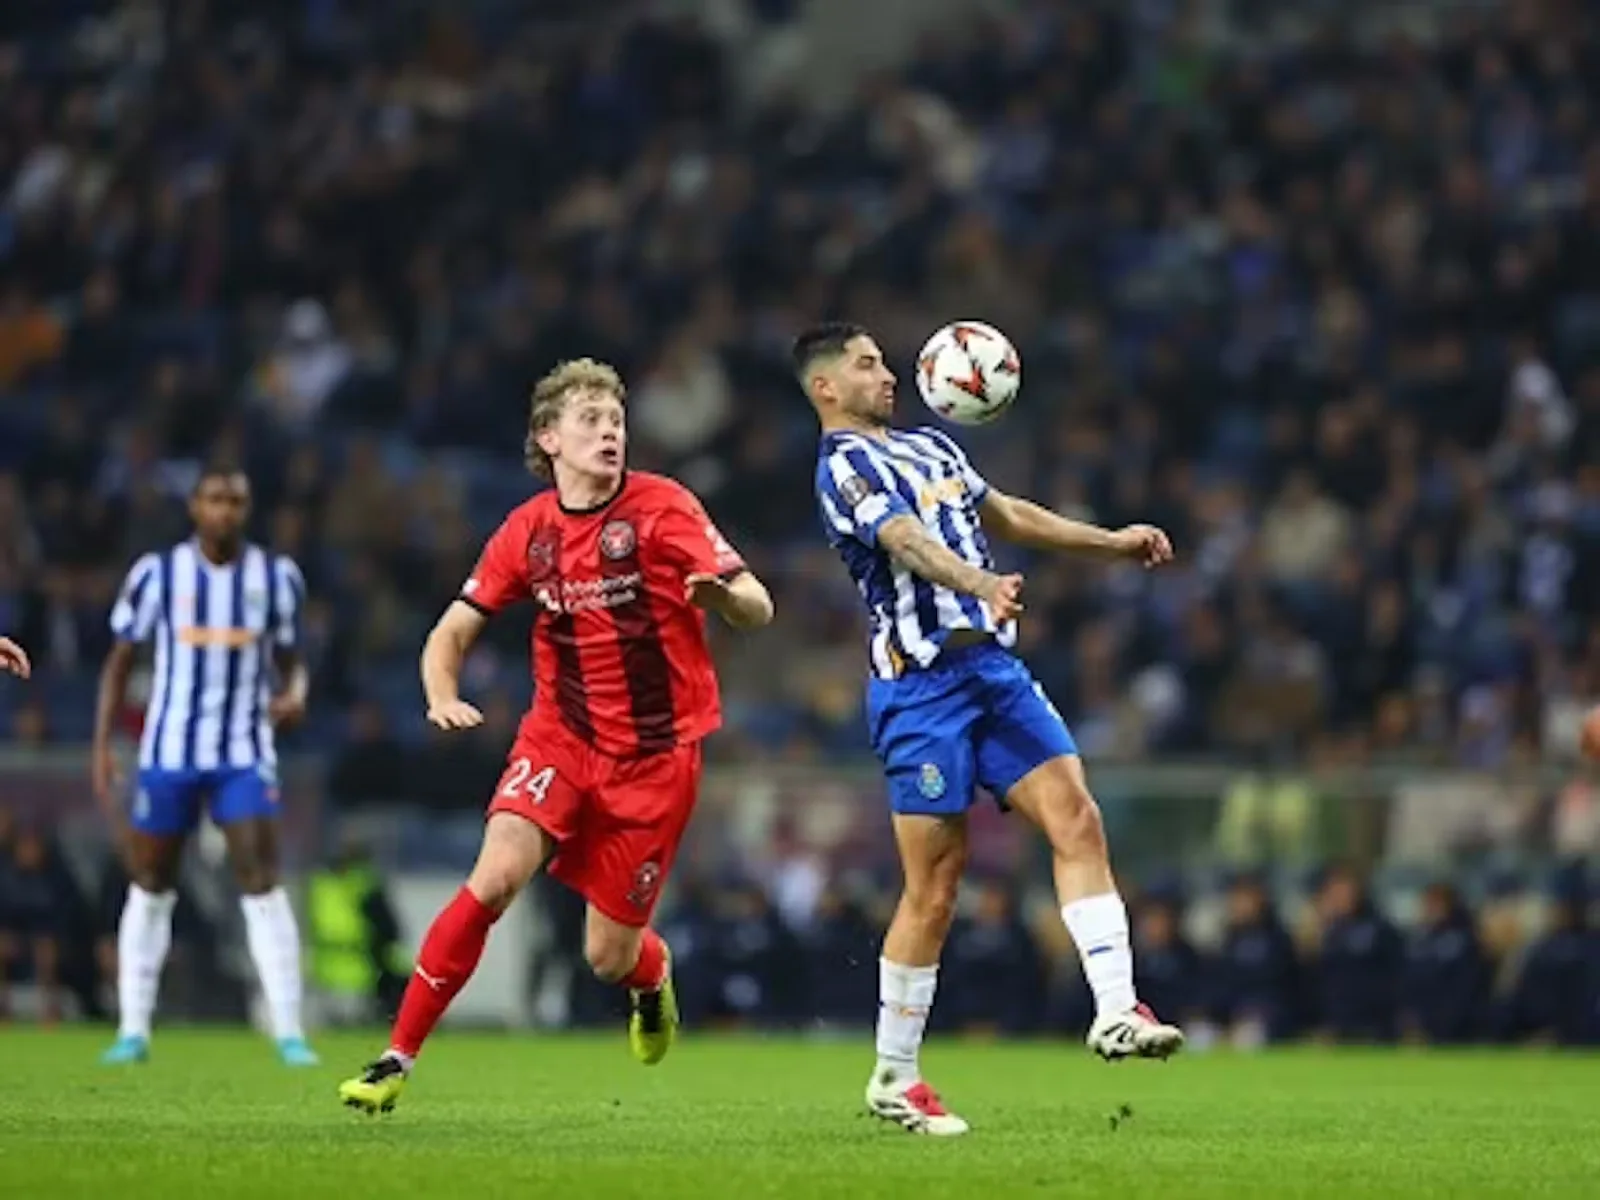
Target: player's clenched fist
{"points": [[286, 710], [14, 658], [454, 714], [1145, 543], [1003, 594]]}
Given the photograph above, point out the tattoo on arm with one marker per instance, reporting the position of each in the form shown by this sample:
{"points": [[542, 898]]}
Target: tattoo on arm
{"points": [[918, 551]]}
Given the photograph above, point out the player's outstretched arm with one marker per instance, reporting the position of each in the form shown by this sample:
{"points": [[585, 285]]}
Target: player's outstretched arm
{"points": [[443, 655], [914, 548], [1024, 523], [742, 601], [14, 658]]}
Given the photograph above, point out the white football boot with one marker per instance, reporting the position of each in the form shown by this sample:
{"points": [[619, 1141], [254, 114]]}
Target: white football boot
{"points": [[1136, 1033], [915, 1107]]}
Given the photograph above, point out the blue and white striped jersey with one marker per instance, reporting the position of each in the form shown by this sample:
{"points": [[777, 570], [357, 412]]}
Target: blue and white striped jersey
{"points": [[215, 629], [863, 482]]}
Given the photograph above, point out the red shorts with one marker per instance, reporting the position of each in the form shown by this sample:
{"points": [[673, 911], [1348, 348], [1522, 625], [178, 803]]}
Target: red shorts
{"points": [[617, 822]]}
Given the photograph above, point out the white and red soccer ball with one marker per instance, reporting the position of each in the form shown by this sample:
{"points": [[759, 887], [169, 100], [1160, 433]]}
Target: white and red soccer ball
{"points": [[968, 372]]}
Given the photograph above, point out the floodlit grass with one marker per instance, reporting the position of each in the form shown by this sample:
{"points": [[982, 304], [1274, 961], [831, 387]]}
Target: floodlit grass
{"points": [[214, 1115]]}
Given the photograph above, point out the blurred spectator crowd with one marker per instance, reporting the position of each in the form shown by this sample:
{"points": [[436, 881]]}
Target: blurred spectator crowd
{"points": [[58, 935], [1245, 966], [1327, 306]]}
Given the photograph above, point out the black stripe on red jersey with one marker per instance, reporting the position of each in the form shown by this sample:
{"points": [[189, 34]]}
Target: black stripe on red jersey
{"points": [[644, 661], [644, 658], [572, 698]]}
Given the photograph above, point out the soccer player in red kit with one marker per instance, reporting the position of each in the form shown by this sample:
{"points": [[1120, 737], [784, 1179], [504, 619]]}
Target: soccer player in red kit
{"points": [[602, 778]]}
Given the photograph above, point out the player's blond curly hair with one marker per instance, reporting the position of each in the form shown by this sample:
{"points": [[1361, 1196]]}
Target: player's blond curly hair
{"points": [[550, 396]]}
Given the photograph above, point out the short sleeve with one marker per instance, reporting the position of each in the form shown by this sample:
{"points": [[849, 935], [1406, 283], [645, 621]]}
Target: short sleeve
{"points": [[500, 578], [690, 539], [857, 492], [138, 604], [977, 485], [289, 587]]}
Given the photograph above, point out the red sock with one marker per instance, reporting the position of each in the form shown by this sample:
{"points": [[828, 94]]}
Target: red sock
{"points": [[450, 953], [650, 971]]}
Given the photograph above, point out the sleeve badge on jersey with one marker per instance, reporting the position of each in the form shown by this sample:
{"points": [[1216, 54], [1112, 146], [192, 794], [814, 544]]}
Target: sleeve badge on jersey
{"points": [[854, 490], [617, 540], [541, 556]]}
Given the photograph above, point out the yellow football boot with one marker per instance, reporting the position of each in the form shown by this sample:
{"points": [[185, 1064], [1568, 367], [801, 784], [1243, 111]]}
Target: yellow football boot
{"points": [[653, 1023], [377, 1088]]}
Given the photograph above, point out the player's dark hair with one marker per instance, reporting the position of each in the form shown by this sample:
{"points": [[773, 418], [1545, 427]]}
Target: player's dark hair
{"points": [[824, 340], [217, 468]]}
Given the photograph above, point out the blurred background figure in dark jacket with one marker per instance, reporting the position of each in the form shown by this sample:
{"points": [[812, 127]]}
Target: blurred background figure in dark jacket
{"points": [[1256, 992], [1444, 990], [993, 981], [1358, 965], [1556, 998]]}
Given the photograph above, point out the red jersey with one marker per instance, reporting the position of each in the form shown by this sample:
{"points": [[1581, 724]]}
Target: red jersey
{"points": [[619, 652]]}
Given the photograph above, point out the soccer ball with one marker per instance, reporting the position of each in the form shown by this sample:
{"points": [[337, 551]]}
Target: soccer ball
{"points": [[969, 372]]}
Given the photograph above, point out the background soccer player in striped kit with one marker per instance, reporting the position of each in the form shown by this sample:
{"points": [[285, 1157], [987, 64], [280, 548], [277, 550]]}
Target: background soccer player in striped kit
{"points": [[224, 616]]}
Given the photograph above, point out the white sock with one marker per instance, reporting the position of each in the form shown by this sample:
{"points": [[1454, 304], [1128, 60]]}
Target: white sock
{"points": [[144, 934], [905, 997], [274, 939], [1099, 927]]}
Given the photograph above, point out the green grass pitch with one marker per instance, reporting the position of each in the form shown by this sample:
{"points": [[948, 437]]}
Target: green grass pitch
{"points": [[213, 1115]]}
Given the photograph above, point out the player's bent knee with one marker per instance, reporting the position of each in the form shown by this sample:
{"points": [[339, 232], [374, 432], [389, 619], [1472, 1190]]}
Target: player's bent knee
{"points": [[496, 884], [934, 905], [1079, 818], [157, 880], [513, 851], [255, 878], [253, 854], [1056, 797], [1071, 822], [611, 952], [153, 862]]}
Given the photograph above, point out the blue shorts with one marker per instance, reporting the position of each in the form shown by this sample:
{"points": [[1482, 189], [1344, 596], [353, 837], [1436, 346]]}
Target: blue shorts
{"points": [[168, 802], [975, 718]]}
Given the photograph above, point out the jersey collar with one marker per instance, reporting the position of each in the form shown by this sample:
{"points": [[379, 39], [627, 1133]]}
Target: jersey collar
{"points": [[622, 485], [194, 542]]}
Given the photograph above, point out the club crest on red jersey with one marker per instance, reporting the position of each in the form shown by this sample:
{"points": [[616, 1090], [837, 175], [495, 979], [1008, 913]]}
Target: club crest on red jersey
{"points": [[617, 540]]}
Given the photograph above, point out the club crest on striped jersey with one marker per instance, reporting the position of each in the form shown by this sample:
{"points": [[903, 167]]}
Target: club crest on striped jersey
{"points": [[854, 490], [617, 539]]}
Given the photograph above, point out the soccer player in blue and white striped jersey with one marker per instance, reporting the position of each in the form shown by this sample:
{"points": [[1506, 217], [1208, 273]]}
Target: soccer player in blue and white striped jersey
{"points": [[224, 616], [951, 709]]}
